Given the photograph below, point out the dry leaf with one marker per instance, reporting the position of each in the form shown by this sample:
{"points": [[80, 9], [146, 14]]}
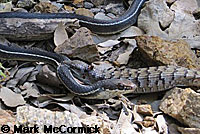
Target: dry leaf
{"points": [[20, 76], [162, 124], [11, 98], [60, 35], [124, 125], [124, 57], [30, 89], [109, 43]]}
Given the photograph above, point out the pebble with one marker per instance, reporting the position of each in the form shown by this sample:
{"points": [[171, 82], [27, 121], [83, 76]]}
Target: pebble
{"points": [[111, 15], [101, 16], [88, 5], [116, 9], [97, 2], [95, 10], [19, 10], [27, 4], [57, 4]]}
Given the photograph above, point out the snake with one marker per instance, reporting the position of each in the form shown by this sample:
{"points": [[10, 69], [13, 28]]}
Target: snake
{"points": [[95, 90], [95, 25]]}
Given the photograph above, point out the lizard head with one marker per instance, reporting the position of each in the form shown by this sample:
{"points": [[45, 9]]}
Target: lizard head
{"points": [[120, 84]]}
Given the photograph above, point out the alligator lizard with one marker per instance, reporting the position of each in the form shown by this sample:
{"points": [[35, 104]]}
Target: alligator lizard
{"points": [[147, 80]]}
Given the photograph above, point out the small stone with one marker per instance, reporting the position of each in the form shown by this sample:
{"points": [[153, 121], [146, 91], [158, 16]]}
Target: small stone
{"points": [[144, 109], [6, 7], [111, 15], [95, 10], [27, 4], [148, 123], [88, 5], [115, 8], [46, 7], [59, 6], [101, 16], [69, 8], [85, 12], [19, 10], [149, 118], [97, 2], [173, 129]]}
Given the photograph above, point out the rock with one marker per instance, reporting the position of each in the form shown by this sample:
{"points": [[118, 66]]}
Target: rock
{"points": [[183, 105], [111, 15], [184, 24], [185, 6], [7, 118], [163, 52], [46, 7], [101, 16], [85, 12], [172, 22], [29, 116], [115, 9], [88, 5], [5, 7], [155, 105], [78, 2], [97, 2], [80, 46], [148, 121], [156, 13], [189, 130], [144, 109], [95, 10], [58, 5], [173, 129], [69, 9], [27, 4], [19, 10]]}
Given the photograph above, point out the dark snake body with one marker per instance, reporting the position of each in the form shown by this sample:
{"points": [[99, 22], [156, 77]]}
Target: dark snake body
{"points": [[63, 70], [95, 25]]}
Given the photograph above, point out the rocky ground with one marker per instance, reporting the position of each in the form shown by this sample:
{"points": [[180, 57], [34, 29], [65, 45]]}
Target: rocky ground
{"points": [[167, 33]]}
